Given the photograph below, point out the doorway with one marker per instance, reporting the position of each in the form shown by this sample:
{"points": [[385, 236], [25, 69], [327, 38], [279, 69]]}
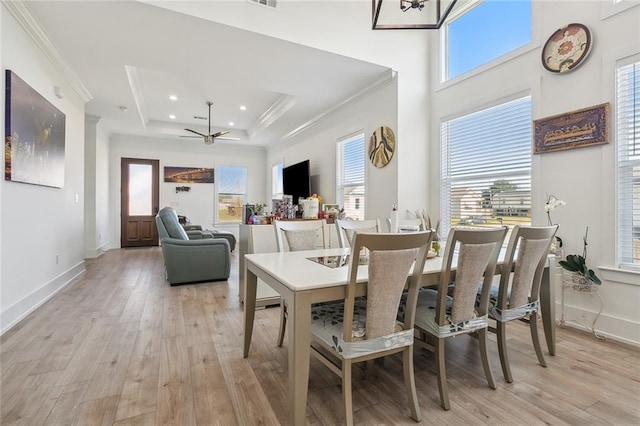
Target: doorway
{"points": [[139, 202]]}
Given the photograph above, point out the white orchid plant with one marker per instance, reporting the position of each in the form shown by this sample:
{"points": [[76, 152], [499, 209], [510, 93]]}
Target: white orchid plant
{"points": [[553, 203]]}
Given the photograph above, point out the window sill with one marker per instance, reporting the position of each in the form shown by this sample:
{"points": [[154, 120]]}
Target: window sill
{"points": [[622, 276], [489, 65]]}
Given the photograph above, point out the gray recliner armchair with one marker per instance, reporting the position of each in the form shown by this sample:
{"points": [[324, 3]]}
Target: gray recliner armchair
{"points": [[191, 260], [195, 230]]}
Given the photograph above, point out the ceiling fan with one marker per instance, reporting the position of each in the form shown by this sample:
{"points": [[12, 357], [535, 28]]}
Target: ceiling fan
{"points": [[210, 138]]}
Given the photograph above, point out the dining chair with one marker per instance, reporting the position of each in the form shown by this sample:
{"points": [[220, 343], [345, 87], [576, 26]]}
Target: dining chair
{"points": [[347, 228], [517, 297], [408, 225], [358, 329], [440, 316], [297, 235]]}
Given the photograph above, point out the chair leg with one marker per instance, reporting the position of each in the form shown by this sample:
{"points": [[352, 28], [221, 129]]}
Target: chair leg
{"points": [[346, 392], [283, 322], [410, 383], [501, 334], [442, 374], [533, 326], [484, 355]]}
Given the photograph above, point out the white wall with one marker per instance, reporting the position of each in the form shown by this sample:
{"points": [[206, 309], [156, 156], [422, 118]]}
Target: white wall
{"points": [[318, 145], [96, 155], [198, 204], [583, 177], [344, 27], [40, 223]]}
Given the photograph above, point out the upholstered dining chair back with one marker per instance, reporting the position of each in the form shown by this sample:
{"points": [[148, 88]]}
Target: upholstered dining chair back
{"points": [[472, 255], [531, 246], [358, 329], [408, 225], [518, 294], [347, 228], [297, 235], [477, 254]]}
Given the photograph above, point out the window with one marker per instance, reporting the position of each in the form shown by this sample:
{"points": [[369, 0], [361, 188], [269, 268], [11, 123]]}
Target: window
{"points": [[232, 189], [628, 140], [486, 167], [276, 181], [350, 182], [484, 31]]}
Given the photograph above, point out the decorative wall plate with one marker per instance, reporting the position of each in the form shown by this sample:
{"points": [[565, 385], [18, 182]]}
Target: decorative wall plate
{"points": [[382, 145], [567, 48]]}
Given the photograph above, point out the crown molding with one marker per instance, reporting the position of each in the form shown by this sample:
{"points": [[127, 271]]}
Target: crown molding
{"points": [[91, 119], [275, 111], [20, 11], [386, 79], [136, 91]]}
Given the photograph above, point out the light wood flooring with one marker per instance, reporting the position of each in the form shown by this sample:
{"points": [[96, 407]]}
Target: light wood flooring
{"points": [[119, 346]]}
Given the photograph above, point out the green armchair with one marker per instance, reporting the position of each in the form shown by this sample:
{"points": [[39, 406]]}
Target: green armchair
{"points": [[191, 260]]}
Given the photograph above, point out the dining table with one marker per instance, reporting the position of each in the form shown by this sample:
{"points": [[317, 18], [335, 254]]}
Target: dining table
{"points": [[303, 278]]}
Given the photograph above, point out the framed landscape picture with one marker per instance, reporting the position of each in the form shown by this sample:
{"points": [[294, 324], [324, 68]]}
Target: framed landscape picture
{"points": [[34, 140], [188, 174]]}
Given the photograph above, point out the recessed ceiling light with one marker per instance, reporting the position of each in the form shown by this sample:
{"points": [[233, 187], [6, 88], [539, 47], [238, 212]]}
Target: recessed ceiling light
{"points": [[172, 116], [243, 108], [231, 123], [173, 97]]}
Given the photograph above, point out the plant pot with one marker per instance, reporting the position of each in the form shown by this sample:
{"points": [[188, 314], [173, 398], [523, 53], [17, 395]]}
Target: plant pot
{"points": [[583, 284]]}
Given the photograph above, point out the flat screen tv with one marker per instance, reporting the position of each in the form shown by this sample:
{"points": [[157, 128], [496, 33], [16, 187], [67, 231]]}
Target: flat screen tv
{"points": [[296, 180]]}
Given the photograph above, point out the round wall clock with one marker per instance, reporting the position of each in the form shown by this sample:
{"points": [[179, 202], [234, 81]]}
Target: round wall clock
{"points": [[382, 144], [567, 48]]}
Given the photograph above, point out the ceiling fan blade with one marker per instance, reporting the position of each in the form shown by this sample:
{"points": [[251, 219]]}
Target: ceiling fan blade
{"points": [[199, 137], [221, 133], [197, 133], [227, 138]]}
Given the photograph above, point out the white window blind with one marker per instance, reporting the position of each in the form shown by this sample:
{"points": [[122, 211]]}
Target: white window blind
{"points": [[276, 181], [486, 167], [350, 179], [628, 140], [232, 189]]}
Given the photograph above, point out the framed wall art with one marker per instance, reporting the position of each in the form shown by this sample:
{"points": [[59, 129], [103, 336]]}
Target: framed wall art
{"points": [[575, 129], [567, 48], [382, 145], [34, 140], [188, 175]]}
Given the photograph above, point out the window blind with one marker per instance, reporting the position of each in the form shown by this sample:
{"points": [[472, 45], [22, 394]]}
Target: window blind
{"points": [[350, 176], [232, 188], [486, 167], [628, 140], [276, 181]]}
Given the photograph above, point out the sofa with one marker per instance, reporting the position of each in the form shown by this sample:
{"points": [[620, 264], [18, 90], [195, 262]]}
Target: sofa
{"points": [[188, 260], [193, 230]]}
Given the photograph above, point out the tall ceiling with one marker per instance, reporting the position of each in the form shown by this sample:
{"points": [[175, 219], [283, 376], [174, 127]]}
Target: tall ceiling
{"points": [[132, 56]]}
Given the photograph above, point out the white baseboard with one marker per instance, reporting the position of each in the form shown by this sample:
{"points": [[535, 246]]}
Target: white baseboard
{"points": [[97, 252], [14, 314], [619, 329]]}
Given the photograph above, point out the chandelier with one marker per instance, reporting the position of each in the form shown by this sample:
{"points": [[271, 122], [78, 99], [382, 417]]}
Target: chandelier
{"points": [[411, 15]]}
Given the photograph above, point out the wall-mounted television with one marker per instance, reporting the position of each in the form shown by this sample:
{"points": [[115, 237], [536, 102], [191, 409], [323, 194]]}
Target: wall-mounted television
{"points": [[296, 180]]}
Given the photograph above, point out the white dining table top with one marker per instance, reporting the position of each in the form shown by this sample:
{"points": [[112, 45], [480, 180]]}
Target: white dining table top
{"points": [[295, 271]]}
